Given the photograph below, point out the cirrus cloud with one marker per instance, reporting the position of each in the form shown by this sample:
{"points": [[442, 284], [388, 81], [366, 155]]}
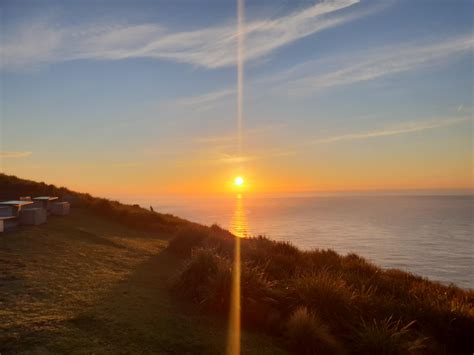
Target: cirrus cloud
{"points": [[41, 41], [404, 128]]}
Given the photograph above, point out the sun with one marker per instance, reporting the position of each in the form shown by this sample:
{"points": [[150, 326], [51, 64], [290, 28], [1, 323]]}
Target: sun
{"points": [[239, 181]]}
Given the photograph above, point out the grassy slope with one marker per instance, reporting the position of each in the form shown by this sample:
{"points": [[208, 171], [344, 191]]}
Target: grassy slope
{"points": [[90, 285], [322, 302]]}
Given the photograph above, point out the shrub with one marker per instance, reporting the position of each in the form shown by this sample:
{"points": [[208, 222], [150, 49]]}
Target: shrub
{"points": [[307, 334]]}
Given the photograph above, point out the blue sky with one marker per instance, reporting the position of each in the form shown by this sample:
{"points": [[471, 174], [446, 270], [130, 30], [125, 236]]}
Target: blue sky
{"points": [[341, 94]]}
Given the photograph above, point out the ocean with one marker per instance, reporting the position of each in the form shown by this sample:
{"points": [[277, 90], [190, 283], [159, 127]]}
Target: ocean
{"points": [[431, 236]]}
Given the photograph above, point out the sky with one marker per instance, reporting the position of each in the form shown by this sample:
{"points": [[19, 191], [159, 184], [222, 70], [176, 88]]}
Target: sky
{"points": [[139, 97]]}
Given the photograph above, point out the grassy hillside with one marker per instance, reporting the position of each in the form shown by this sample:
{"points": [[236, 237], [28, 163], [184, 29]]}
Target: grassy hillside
{"points": [[115, 278], [87, 285]]}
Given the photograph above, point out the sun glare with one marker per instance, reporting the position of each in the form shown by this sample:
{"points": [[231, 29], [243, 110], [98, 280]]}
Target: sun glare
{"points": [[239, 181]]}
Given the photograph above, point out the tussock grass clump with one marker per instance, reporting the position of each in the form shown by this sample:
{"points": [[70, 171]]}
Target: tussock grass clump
{"points": [[199, 274], [322, 292], [359, 269], [307, 334], [324, 259], [259, 297], [388, 337], [279, 260]]}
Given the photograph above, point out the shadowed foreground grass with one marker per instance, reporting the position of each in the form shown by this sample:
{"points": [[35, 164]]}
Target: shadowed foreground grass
{"points": [[320, 302], [84, 284]]}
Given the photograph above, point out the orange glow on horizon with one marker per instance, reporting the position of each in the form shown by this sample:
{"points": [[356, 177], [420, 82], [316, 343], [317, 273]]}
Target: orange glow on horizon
{"points": [[258, 180]]}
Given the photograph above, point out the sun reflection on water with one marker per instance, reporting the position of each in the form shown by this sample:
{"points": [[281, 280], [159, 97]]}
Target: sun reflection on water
{"points": [[238, 224]]}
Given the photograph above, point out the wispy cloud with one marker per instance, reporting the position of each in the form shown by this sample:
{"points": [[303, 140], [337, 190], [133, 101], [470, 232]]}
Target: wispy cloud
{"points": [[220, 149], [221, 156], [42, 41], [205, 98], [319, 75], [405, 128], [380, 62], [201, 102], [4, 154]]}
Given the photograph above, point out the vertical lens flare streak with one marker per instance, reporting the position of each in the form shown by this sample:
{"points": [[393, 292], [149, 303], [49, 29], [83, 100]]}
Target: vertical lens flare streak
{"points": [[238, 228], [240, 72], [233, 342]]}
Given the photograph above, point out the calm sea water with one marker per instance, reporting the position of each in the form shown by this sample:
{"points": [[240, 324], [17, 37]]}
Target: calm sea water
{"points": [[429, 235]]}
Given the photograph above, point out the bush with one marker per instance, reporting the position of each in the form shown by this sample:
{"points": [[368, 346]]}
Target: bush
{"points": [[307, 334]]}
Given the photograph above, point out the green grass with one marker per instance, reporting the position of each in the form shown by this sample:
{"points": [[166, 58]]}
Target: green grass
{"points": [[85, 284]]}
